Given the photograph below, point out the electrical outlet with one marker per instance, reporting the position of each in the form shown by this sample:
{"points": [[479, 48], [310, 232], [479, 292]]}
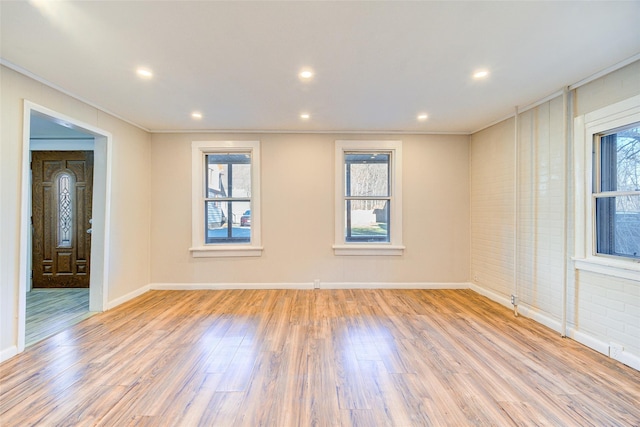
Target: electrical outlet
{"points": [[615, 350], [316, 284], [514, 300]]}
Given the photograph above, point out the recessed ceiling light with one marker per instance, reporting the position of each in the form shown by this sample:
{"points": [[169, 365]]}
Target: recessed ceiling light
{"points": [[196, 115], [144, 72], [305, 74], [305, 116], [480, 74], [422, 117]]}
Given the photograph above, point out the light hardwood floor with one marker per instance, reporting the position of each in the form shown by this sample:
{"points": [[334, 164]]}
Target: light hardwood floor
{"points": [[314, 358], [50, 311]]}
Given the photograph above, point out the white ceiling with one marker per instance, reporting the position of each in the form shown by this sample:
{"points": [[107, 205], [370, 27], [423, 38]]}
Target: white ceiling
{"points": [[377, 64]]}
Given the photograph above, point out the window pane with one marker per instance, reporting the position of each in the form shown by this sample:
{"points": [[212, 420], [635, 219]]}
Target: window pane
{"points": [[241, 182], [215, 216], [367, 221], [620, 161], [224, 222], [618, 226], [228, 175], [367, 174]]}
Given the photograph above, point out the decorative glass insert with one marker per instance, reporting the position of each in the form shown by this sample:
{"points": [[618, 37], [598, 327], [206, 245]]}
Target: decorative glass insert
{"points": [[65, 211]]}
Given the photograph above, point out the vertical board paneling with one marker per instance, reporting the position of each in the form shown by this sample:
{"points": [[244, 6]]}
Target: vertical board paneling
{"points": [[492, 208]]}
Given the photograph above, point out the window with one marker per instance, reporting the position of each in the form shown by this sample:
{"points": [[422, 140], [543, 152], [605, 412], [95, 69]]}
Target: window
{"points": [[226, 199], [616, 191], [368, 198], [607, 190], [228, 194]]}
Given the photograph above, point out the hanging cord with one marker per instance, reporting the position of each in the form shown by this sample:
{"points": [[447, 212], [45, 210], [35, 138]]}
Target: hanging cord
{"points": [[516, 169]]}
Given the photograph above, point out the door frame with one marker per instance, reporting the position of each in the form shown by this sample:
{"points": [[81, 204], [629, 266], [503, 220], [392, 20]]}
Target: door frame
{"points": [[101, 212]]}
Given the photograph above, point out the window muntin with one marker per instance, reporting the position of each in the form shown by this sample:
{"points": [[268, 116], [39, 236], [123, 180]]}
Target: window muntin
{"points": [[228, 195], [616, 192], [367, 196]]}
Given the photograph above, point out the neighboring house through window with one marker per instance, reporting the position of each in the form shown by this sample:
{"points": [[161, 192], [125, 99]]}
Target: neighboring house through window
{"points": [[226, 199]]}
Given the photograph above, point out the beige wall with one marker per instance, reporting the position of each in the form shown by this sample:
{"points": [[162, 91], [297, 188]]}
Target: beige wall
{"points": [[601, 309], [128, 255], [298, 214]]}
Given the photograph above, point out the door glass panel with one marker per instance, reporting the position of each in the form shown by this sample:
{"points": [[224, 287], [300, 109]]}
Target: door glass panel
{"points": [[65, 211]]}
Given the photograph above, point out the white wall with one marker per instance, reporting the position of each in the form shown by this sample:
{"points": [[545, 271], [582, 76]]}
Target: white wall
{"points": [[128, 256], [298, 215], [492, 208], [541, 190], [601, 309]]}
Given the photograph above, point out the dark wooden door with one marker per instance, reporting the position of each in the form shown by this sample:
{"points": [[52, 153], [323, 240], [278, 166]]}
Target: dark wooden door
{"points": [[62, 187]]}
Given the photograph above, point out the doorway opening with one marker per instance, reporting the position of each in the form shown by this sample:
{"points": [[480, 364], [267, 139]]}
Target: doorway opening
{"points": [[63, 239]]}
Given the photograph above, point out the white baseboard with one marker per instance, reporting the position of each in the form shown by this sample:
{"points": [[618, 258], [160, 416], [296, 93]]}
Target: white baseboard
{"points": [[392, 285], [131, 295], [539, 316], [309, 285], [226, 286], [523, 309], [587, 340], [493, 296], [8, 353], [629, 359]]}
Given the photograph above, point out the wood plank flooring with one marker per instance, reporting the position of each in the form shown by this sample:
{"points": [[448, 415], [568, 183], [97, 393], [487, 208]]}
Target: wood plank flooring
{"points": [[314, 358], [50, 311]]}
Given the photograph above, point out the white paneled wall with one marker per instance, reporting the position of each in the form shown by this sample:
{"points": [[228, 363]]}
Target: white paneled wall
{"points": [[603, 311], [608, 310], [492, 208], [541, 187]]}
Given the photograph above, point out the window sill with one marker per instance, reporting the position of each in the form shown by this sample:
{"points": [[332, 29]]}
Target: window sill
{"points": [[226, 251], [625, 269], [368, 250]]}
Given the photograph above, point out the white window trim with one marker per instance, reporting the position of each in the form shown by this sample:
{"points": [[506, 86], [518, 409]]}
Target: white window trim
{"points": [[198, 248], [394, 247], [586, 127]]}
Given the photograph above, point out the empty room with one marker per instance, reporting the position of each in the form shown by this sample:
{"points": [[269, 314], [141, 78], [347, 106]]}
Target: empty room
{"points": [[319, 213]]}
